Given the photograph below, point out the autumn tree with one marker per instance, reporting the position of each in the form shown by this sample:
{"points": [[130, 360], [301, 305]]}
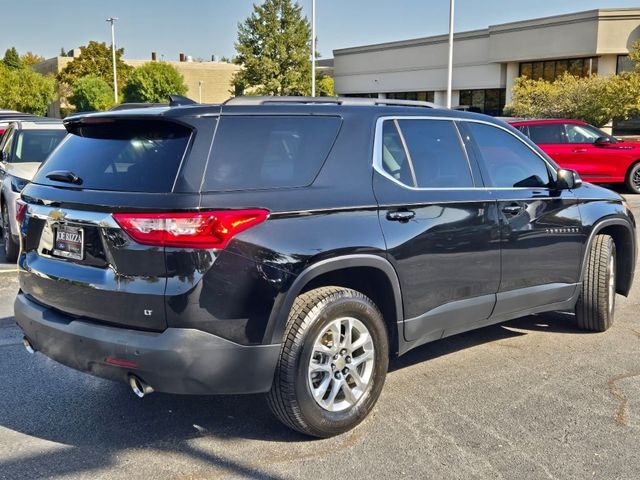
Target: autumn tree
{"points": [[274, 47], [30, 59]]}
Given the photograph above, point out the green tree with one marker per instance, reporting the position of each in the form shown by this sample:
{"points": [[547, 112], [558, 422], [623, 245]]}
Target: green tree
{"points": [[594, 99], [153, 82], [325, 86], [274, 47], [25, 90], [30, 59], [12, 59], [95, 59], [91, 93]]}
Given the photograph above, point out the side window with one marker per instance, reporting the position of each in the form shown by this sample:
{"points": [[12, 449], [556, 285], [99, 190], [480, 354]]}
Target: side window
{"points": [[436, 153], [508, 162], [524, 129], [582, 133], [394, 157], [547, 133]]}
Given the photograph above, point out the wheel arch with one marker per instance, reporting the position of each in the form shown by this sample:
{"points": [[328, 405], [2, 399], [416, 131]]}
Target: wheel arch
{"points": [[371, 275], [624, 238]]}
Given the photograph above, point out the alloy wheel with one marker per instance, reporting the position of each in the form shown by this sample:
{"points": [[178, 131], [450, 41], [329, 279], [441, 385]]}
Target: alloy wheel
{"points": [[341, 365]]}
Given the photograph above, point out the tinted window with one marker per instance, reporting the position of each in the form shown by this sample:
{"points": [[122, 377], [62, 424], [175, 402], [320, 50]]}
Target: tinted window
{"points": [[36, 145], [508, 161], [125, 155], [436, 153], [547, 133], [269, 152], [394, 158]]}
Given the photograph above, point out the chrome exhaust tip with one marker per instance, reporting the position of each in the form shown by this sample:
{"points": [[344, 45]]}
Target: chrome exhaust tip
{"points": [[138, 387], [27, 345]]}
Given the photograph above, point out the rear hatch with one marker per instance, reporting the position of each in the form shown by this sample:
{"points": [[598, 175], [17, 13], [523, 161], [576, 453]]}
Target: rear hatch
{"points": [[76, 257]]}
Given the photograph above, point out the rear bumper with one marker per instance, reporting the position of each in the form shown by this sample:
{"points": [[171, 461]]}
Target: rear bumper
{"points": [[178, 360]]}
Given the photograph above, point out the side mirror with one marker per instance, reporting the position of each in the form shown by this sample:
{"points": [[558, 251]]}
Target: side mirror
{"points": [[603, 141], [568, 179]]}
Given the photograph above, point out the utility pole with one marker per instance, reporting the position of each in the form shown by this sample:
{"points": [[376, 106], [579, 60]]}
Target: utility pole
{"points": [[112, 21], [313, 48], [200, 82], [450, 68]]}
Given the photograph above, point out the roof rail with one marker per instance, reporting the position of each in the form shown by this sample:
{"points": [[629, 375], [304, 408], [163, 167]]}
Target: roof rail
{"points": [[263, 100]]}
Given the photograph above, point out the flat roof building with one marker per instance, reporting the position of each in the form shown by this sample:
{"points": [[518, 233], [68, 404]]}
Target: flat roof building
{"points": [[487, 61], [208, 82]]}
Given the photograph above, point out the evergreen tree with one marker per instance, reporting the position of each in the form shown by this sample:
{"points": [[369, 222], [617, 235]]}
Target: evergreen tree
{"points": [[12, 59], [274, 48]]}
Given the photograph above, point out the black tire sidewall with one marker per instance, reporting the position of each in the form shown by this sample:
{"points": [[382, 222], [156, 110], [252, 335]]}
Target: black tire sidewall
{"points": [[629, 181], [330, 423]]}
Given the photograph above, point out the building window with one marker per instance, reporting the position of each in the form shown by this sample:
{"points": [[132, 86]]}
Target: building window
{"points": [[360, 95], [490, 101], [625, 64], [421, 96], [552, 69]]}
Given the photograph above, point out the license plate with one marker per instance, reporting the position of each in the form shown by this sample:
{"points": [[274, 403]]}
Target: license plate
{"points": [[69, 242]]}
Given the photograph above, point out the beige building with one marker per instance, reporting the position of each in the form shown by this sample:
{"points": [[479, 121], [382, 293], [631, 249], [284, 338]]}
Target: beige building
{"points": [[207, 82], [487, 61]]}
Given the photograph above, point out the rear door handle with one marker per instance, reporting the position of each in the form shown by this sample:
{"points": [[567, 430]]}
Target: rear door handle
{"points": [[579, 150], [512, 209], [401, 216]]}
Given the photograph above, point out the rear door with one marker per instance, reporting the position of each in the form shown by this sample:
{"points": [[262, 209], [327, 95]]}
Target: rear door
{"points": [[441, 228], [542, 237], [76, 258]]}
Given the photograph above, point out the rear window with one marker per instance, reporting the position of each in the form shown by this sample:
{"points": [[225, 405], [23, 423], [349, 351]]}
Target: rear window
{"points": [[122, 155], [36, 145], [261, 152]]}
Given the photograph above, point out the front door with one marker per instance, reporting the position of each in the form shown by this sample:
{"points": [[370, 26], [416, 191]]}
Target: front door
{"points": [[440, 226], [542, 237]]}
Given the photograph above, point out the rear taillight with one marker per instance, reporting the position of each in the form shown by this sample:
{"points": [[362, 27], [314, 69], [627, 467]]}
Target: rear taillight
{"points": [[21, 210], [212, 229]]}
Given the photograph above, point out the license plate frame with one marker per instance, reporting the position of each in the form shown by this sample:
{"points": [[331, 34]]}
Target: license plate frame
{"points": [[68, 242]]}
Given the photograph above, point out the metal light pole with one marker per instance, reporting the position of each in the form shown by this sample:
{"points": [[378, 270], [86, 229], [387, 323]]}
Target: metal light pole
{"points": [[200, 82], [313, 48], [112, 20], [450, 68]]}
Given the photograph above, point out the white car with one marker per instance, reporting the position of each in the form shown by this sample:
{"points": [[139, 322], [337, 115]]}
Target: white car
{"points": [[23, 147]]}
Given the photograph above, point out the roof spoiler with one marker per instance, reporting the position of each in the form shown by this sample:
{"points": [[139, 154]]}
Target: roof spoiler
{"points": [[178, 100]]}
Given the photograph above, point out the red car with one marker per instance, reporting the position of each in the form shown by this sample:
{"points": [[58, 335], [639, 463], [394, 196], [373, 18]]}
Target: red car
{"points": [[598, 157]]}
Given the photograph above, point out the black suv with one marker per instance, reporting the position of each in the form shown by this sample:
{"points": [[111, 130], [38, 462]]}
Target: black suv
{"points": [[292, 245]]}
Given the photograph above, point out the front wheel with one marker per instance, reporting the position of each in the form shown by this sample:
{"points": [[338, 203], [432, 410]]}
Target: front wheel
{"points": [[11, 248], [632, 180], [596, 304], [333, 362]]}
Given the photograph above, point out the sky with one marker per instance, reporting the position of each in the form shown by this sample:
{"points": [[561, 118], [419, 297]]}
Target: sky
{"points": [[202, 28]]}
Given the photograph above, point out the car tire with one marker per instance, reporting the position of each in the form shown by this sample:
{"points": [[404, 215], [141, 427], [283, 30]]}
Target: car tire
{"points": [[11, 248], [350, 372], [596, 305], [632, 180]]}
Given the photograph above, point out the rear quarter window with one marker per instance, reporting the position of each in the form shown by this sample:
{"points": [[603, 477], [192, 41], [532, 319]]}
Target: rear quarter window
{"points": [[121, 155], [262, 152]]}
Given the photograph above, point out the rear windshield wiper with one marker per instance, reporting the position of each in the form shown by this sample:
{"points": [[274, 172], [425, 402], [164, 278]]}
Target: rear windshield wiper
{"points": [[64, 176]]}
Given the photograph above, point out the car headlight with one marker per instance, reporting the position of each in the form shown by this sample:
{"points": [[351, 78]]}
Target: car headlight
{"points": [[17, 184]]}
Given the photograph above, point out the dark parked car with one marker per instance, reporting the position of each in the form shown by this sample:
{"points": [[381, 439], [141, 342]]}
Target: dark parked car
{"points": [[291, 246]]}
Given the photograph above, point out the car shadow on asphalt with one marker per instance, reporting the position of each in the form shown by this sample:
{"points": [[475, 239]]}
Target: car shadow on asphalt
{"points": [[96, 420], [554, 322]]}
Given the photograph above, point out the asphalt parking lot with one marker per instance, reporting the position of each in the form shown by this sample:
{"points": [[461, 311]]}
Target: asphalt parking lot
{"points": [[533, 398]]}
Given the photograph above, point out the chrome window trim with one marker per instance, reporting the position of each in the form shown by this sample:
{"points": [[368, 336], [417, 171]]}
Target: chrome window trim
{"points": [[377, 151], [407, 153]]}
